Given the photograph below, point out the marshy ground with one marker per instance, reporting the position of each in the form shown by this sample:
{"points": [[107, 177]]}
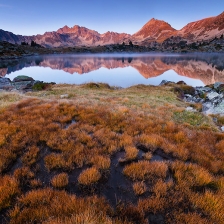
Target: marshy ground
{"points": [[96, 154]]}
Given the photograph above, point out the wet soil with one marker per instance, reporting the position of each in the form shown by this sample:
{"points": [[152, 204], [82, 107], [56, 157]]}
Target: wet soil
{"points": [[114, 185]]}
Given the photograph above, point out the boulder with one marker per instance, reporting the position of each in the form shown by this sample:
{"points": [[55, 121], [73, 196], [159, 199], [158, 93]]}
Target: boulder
{"points": [[222, 128], [165, 82], [191, 109], [5, 83], [203, 89], [23, 85], [217, 85], [210, 108], [22, 78], [212, 99], [221, 88], [212, 95], [181, 83], [64, 96]]}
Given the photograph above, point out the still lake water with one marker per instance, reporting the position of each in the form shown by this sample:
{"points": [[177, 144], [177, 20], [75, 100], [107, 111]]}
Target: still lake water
{"points": [[122, 70]]}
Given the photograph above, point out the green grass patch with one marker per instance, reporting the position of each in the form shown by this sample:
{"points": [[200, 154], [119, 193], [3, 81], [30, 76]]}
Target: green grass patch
{"points": [[192, 118], [39, 86]]}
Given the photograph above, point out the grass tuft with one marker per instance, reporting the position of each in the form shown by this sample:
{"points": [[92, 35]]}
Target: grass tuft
{"points": [[89, 176], [60, 180]]}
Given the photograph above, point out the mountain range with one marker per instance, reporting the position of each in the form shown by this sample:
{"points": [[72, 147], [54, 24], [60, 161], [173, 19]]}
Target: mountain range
{"points": [[153, 31]]}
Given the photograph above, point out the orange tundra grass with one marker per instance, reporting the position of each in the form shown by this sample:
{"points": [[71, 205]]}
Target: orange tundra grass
{"points": [[31, 127]]}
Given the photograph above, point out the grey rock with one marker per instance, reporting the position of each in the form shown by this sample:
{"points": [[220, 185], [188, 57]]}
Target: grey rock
{"points": [[222, 128], [209, 108], [5, 83], [164, 82], [203, 89], [188, 95], [37, 81], [22, 78], [206, 106], [198, 100], [217, 85], [191, 109], [23, 85], [212, 95], [64, 96]]}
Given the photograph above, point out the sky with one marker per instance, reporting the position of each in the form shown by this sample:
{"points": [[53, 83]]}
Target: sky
{"points": [[31, 17]]}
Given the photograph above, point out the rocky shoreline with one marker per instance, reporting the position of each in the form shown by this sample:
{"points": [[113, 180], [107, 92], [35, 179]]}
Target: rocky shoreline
{"points": [[211, 97], [22, 84]]}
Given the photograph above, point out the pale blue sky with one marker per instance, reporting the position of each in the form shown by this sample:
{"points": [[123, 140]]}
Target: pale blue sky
{"points": [[28, 17]]}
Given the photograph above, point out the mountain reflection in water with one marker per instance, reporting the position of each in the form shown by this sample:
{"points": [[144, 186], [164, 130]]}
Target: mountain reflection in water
{"points": [[207, 68]]}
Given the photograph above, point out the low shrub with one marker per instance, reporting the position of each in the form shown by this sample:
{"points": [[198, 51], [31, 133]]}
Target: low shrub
{"points": [[89, 176], [60, 180], [194, 175], [9, 188], [57, 161], [144, 170], [139, 188], [152, 205], [24, 175], [30, 157], [40, 86], [101, 162], [35, 183], [93, 85], [147, 155], [46, 205], [131, 153], [189, 218], [160, 188]]}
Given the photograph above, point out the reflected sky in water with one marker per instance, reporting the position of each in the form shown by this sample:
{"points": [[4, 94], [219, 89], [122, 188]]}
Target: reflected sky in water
{"points": [[120, 70]]}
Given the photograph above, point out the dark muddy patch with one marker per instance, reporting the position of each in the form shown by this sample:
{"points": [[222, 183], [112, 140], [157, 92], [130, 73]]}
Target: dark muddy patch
{"points": [[118, 188], [42, 172], [114, 185], [14, 166], [156, 157], [4, 217], [143, 148], [74, 187], [156, 219], [163, 155]]}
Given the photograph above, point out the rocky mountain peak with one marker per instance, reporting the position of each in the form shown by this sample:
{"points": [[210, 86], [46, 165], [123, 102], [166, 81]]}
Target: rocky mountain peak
{"points": [[157, 30], [64, 29]]}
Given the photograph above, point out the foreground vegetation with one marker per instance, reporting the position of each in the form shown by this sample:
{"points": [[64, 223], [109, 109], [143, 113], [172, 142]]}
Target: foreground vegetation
{"points": [[97, 154]]}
